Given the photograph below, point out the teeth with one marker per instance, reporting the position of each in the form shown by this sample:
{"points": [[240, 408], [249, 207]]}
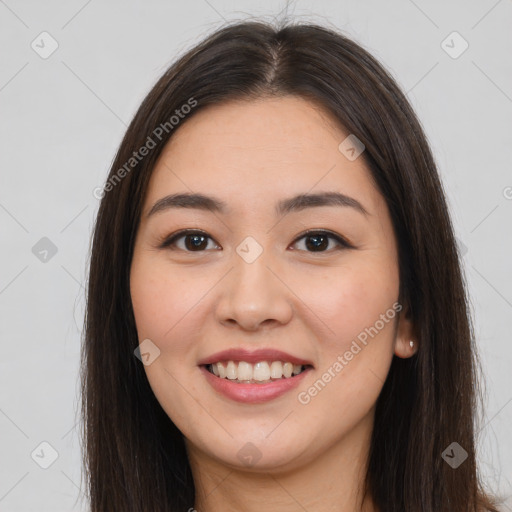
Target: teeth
{"points": [[244, 371], [263, 371], [231, 371], [276, 370]]}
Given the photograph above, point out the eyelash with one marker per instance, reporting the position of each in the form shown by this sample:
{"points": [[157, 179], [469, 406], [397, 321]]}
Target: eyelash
{"points": [[169, 241]]}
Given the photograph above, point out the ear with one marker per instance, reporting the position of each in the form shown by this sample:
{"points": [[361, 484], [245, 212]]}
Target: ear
{"points": [[405, 333]]}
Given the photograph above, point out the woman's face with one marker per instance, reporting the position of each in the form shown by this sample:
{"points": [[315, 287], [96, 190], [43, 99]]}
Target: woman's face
{"points": [[248, 278]]}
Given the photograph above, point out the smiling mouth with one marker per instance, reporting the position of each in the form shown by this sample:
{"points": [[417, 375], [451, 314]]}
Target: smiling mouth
{"points": [[262, 372]]}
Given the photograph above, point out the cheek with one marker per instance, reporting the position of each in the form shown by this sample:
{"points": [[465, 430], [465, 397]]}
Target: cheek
{"points": [[360, 308], [350, 299], [160, 300], [163, 306]]}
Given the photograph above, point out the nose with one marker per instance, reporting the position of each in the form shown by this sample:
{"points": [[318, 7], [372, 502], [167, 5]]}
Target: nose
{"points": [[254, 296]]}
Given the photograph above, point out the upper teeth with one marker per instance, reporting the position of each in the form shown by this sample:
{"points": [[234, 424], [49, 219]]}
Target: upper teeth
{"points": [[261, 371]]}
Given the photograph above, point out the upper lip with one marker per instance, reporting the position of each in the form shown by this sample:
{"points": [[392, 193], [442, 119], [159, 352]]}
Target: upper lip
{"points": [[253, 356]]}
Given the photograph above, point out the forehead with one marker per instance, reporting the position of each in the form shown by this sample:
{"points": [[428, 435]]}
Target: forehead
{"points": [[259, 151]]}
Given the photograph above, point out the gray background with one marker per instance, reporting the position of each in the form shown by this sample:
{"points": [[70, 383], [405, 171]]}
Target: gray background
{"points": [[62, 118]]}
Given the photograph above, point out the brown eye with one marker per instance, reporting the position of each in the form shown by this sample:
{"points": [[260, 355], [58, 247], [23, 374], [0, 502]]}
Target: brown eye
{"points": [[318, 241], [195, 241]]}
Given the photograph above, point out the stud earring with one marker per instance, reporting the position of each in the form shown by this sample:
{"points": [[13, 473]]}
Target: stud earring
{"points": [[411, 343]]}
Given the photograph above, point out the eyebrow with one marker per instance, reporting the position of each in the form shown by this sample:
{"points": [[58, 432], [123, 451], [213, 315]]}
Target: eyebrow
{"points": [[292, 204]]}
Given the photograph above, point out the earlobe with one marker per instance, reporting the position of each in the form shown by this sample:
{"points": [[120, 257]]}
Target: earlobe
{"points": [[405, 349], [406, 342]]}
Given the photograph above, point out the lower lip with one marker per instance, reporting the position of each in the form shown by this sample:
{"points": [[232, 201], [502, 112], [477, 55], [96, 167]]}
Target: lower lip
{"points": [[253, 393]]}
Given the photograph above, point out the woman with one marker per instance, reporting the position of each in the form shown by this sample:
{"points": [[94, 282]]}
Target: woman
{"points": [[276, 312]]}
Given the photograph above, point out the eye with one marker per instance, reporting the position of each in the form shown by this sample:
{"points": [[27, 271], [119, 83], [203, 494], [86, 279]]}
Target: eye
{"points": [[196, 241], [317, 241]]}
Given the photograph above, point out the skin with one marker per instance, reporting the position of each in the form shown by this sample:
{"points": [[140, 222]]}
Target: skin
{"points": [[309, 303]]}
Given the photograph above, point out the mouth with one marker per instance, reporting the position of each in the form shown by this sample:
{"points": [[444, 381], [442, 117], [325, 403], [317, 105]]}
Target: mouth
{"points": [[254, 376], [253, 391], [262, 372]]}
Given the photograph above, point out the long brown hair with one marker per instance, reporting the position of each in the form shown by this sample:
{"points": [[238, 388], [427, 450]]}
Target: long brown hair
{"points": [[134, 455]]}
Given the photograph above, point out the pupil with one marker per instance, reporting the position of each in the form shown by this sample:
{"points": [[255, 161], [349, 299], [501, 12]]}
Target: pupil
{"points": [[316, 244], [195, 245]]}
